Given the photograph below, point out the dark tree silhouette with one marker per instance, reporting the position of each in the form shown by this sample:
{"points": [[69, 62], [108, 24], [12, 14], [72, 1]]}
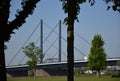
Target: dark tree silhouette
{"points": [[72, 8], [6, 27]]}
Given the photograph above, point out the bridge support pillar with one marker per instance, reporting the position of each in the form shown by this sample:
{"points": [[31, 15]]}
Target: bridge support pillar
{"points": [[59, 41]]}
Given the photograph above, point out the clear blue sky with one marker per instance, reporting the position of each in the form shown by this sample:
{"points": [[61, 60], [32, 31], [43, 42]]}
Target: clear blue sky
{"points": [[93, 20]]}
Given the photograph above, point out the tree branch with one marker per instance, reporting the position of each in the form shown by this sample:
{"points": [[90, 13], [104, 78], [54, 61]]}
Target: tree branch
{"points": [[28, 7]]}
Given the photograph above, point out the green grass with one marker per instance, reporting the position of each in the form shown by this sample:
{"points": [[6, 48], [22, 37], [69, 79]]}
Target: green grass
{"points": [[65, 79], [37, 79]]}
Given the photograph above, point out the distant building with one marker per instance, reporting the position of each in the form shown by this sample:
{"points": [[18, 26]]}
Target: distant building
{"points": [[114, 68], [86, 58], [49, 60]]}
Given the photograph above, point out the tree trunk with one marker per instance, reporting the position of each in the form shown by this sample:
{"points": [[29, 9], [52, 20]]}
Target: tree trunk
{"points": [[70, 51], [34, 72], [2, 54], [70, 38], [4, 14], [98, 73], [2, 60]]}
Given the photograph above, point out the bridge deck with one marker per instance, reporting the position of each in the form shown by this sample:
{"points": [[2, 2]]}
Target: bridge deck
{"points": [[82, 63]]}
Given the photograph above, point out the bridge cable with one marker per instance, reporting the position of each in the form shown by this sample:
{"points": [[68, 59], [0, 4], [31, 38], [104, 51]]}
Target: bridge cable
{"points": [[62, 38], [23, 45], [66, 40], [50, 46], [82, 38], [55, 48], [87, 41], [50, 33], [53, 31], [75, 47], [38, 40]]}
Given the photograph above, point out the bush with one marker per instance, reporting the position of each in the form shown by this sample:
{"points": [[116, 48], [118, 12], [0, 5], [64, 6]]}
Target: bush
{"points": [[116, 75]]}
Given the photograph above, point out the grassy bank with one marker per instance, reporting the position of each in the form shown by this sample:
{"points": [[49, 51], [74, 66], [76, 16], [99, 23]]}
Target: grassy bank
{"points": [[65, 79]]}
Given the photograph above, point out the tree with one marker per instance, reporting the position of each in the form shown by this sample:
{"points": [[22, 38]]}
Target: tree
{"points": [[72, 8], [118, 63], [97, 56], [34, 54], [6, 27]]}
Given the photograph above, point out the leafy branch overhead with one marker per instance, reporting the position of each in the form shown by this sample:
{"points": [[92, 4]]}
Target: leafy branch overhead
{"points": [[27, 8], [74, 12], [115, 6], [29, 5]]}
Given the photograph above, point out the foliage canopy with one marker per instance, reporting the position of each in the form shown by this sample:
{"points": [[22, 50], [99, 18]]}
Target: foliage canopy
{"points": [[97, 56], [33, 52]]}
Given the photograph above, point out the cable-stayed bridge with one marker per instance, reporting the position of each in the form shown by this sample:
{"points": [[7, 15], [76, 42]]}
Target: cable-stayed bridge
{"points": [[53, 50], [52, 43], [53, 68]]}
